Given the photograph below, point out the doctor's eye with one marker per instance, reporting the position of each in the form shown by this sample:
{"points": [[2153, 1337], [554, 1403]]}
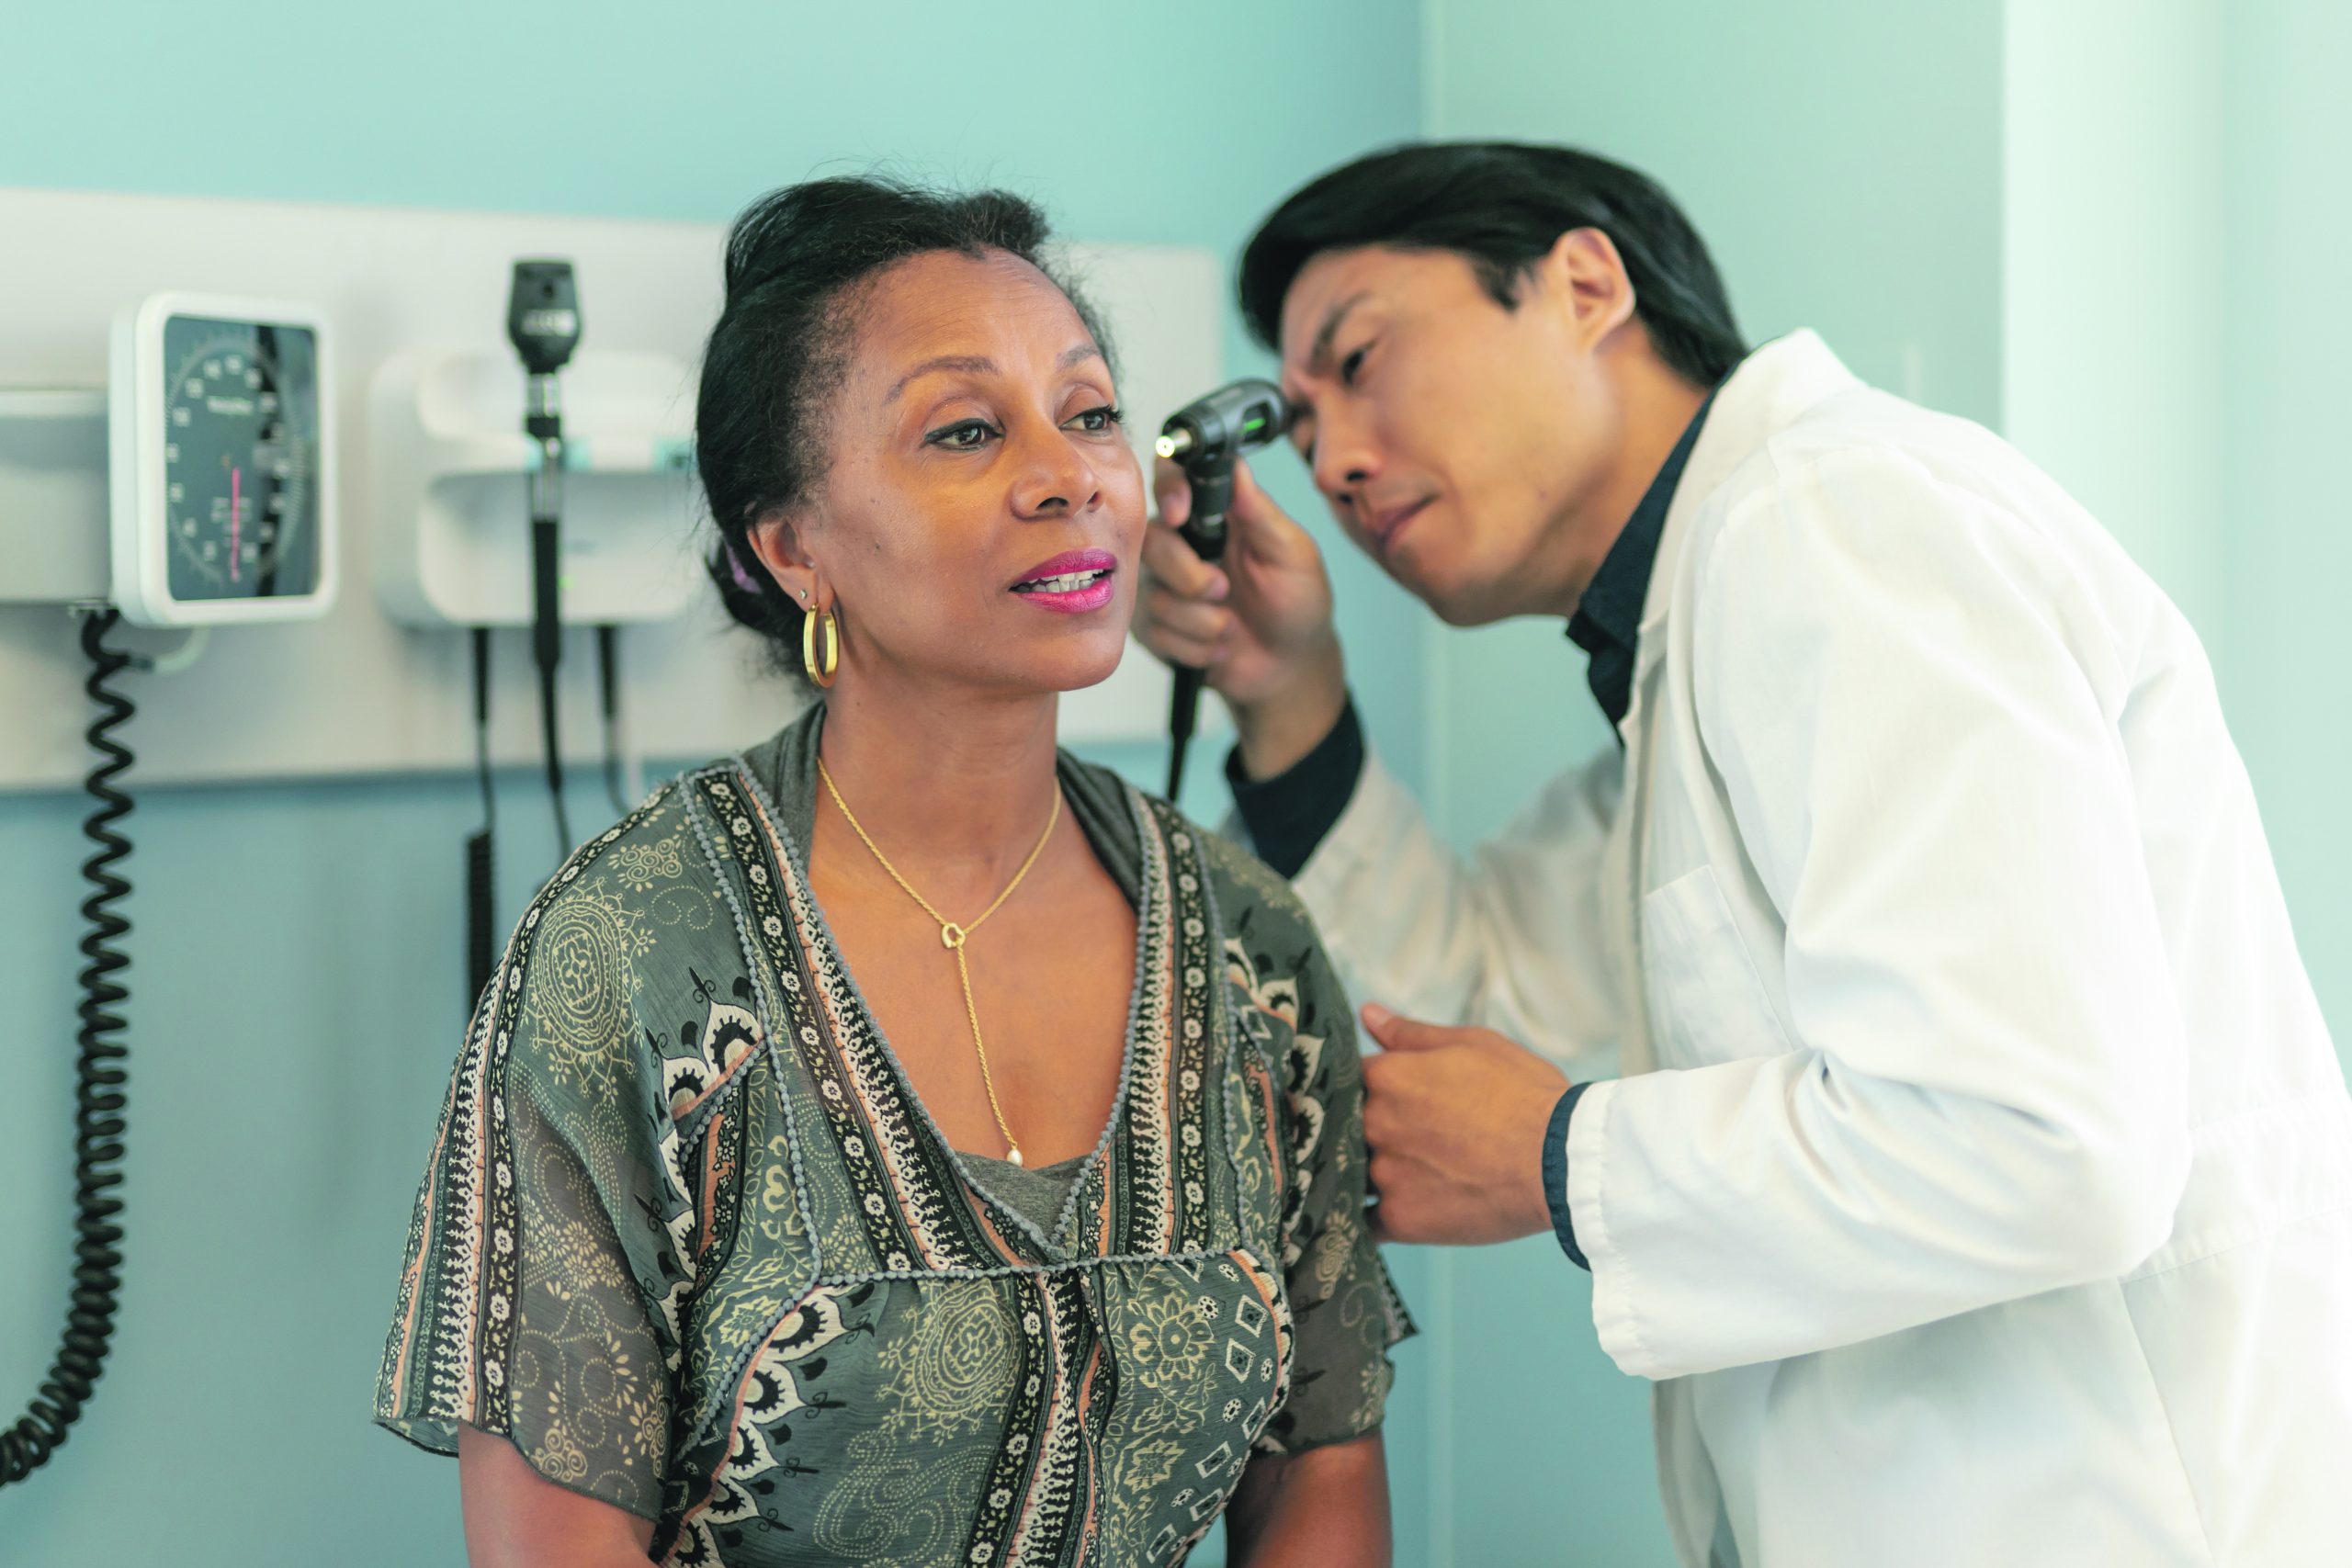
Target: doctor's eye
{"points": [[1351, 367]]}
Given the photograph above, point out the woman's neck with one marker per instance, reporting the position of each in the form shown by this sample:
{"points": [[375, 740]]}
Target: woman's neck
{"points": [[953, 787]]}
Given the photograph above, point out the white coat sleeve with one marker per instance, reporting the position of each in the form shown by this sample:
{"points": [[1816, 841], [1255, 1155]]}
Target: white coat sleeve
{"points": [[1511, 941], [1915, 715]]}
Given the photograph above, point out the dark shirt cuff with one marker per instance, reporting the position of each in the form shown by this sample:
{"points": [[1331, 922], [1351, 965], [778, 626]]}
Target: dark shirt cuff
{"points": [[1555, 1175], [1289, 815]]}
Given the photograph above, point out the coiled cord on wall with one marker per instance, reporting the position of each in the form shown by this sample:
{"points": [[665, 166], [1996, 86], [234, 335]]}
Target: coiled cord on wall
{"points": [[100, 1093]]}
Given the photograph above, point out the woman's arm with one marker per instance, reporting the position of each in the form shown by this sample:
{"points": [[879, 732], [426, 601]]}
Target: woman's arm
{"points": [[515, 1517], [1327, 1508], [1316, 1492]]}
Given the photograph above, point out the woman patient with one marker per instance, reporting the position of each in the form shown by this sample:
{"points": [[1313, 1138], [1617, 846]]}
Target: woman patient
{"points": [[903, 1142]]}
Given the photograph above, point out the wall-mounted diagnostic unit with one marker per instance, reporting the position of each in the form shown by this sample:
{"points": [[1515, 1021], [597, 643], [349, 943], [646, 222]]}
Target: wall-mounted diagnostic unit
{"points": [[221, 493], [216, 474]]}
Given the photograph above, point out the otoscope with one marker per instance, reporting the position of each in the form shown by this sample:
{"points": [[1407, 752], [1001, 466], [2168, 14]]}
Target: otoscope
{"points": [[1204, 438], [543, 323]]}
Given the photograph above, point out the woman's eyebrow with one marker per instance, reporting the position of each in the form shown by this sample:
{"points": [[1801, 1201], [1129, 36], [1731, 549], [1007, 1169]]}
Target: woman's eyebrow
{"points": [[970, 365], [976, 365]]}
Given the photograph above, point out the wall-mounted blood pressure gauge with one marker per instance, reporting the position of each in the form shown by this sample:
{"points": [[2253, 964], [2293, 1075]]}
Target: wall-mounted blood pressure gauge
{"points": [[220, 429]]}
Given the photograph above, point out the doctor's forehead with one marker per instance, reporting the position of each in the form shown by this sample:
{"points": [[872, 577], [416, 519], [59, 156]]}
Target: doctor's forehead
{"points": [[1340, 287]]}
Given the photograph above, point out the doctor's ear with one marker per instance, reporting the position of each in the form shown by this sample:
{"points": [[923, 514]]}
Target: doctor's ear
{"points": [[1583, 276]]}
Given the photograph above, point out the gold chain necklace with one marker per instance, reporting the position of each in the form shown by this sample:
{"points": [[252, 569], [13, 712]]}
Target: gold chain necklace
{"points": [[953, 937]]}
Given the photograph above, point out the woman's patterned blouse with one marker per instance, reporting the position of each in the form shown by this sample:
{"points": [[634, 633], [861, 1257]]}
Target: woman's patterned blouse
{"points": [[689, 1239]]}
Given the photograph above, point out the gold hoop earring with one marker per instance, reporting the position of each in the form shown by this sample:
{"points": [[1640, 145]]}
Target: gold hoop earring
{"points": [[820, 670]]}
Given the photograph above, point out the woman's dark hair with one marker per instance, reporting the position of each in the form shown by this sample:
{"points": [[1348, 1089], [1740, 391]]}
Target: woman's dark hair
{"points": [[1502, 206], [797, 260]]}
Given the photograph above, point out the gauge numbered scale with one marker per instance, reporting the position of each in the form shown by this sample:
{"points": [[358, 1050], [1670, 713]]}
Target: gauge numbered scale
{"points": [[222, 492]]}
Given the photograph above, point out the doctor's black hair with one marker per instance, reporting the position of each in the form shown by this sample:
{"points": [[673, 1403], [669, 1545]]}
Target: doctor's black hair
{"points": [[1501, 205], [798, 261]]}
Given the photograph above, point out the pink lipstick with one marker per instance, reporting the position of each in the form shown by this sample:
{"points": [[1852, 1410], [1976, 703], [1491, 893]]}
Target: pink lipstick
{"points": [[1072, 582]]}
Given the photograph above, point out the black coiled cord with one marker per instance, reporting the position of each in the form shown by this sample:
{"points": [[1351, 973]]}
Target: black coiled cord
{"points": [[99, 1091]]}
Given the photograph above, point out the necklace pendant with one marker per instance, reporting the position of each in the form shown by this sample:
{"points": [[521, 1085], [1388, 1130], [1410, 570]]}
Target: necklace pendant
{"points": [[1013, 1156], [951, 935]]}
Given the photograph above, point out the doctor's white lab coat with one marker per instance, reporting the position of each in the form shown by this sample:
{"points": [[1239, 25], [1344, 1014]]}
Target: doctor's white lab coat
{"points": [[1978, 1187]]}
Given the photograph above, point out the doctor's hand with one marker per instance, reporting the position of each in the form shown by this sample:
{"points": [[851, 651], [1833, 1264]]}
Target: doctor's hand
{"points": [[1454, 1119], [1259, 621]]}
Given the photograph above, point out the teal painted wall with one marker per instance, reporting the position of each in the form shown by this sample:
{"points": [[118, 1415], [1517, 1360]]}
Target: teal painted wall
{"points": [[2284, 544], [2115, 296], [297, 960], [2174, 229]]}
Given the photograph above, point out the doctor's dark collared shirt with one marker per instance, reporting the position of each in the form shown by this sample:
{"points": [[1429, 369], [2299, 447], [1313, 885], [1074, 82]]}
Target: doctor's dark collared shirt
{"points": [[1289, 815], [1607, 620]]}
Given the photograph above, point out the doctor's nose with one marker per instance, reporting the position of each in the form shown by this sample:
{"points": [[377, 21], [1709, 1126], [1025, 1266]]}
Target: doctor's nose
{"points": [[1343, 465]]}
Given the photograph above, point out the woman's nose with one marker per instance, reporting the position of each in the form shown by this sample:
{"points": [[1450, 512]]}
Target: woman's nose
{"points": [[1054, 478]]}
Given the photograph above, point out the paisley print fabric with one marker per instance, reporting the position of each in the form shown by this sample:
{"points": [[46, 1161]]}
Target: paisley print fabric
{"points": [[689, 1240]]}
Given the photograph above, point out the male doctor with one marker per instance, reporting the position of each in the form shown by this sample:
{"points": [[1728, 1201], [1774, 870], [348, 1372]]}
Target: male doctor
{"points": [[1978, 1183]]}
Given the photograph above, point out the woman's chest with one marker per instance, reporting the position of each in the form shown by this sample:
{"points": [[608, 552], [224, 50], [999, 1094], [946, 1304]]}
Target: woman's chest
{"points": [[1032, 1025], [1097, 1413]]}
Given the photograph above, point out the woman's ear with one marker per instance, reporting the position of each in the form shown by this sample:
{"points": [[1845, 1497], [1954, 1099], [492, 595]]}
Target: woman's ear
{"points": [[778, 540]]}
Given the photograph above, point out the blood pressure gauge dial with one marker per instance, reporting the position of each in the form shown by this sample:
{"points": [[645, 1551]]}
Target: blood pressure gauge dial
{"points": [[220, 427]]}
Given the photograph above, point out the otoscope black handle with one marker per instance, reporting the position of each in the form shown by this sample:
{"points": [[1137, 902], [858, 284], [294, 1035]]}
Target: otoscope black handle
{"points": [[1183, 708], [1204, 530], [1205, 437]]}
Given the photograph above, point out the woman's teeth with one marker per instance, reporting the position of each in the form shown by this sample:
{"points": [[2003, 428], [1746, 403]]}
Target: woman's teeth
{"points": [[1068, 582]]}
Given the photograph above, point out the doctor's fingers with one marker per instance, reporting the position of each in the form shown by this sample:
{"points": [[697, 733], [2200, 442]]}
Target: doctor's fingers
{"points": [[1179, 616], [1406, 1211], [1397, 1106], [1171, 491], [1266, 532], [1171, 565], [1429, 1108], [1181, 632], [1395, 1031]]}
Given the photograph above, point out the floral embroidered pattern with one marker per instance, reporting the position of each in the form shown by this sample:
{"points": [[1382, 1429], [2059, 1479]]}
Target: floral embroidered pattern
{"points": [[1169, 1340], [949, 1374], [640, 867]]}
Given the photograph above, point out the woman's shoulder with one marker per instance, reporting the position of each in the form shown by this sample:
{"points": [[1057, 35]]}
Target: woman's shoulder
{"points": [[1242, 877], [1247, 891], [638, 858], [633, 932]]}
